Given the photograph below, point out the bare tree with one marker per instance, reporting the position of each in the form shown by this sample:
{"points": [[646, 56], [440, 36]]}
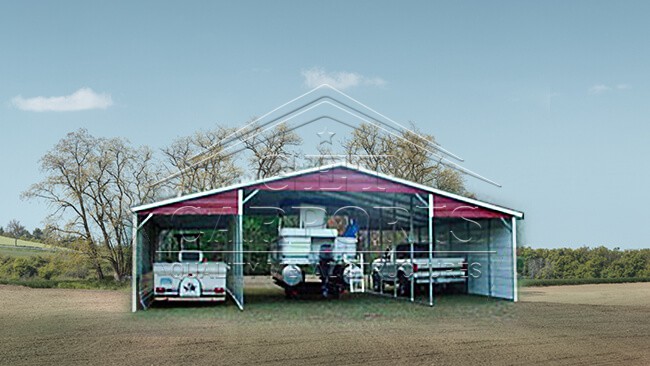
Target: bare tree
{"points": [[449, 180], [407, 155], [409, 158], [91, 183], [326, 155], [16, 230], [122, 177], [200, 162], [368, 147], [271, 150], [66, 187]]}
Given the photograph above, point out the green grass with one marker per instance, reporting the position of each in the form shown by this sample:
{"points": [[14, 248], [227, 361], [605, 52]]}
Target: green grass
{"points": [[25, 248], [269, 305], [23, 251], [69, 284], [7, 241], [579, 281]]}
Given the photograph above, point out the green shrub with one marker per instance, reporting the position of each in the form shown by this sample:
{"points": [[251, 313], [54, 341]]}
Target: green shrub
{"points": [[27, 267], [586, 263], [50, 270], [73, 266], [5, 266], [60, 266], [67, 284]]}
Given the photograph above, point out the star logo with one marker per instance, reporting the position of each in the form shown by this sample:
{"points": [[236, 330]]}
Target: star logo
{"points": [[326, 136]]}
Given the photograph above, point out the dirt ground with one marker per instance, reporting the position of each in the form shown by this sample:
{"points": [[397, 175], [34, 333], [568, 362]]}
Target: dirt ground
{"points": [[621, 294], [567, 325]]}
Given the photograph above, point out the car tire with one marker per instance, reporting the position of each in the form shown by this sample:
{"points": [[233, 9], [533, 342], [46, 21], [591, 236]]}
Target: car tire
{"points": [[376, 282], [290, 293], [403, 285]]}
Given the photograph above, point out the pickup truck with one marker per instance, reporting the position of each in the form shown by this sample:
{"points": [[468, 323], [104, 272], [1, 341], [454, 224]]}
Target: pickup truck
{"points": [[395, 267], [190, 279]]}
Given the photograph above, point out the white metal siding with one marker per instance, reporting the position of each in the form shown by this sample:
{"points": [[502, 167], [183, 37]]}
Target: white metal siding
{"points": [[501, 261], [488, 248]]}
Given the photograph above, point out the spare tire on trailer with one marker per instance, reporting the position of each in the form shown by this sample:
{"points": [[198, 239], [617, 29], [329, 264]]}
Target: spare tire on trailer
{"points": [[292, 275], [190, 287]]}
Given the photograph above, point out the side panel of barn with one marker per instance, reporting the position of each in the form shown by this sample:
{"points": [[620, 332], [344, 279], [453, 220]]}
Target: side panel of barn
{"points": [[501, 260], [487, 245]]}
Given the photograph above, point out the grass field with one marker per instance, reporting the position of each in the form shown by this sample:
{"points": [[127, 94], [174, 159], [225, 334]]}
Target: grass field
{"points": [[553, 326], [579, 281], [7, 241], [23, 248], [23, 251]]}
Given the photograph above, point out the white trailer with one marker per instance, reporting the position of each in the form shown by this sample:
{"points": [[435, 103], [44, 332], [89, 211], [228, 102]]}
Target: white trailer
{"points": [[313, 247], [190, 279]]}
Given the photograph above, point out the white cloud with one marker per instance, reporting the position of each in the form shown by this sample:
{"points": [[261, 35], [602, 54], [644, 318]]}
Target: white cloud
{"points": [[599, 89], [602, 88], [317, 76], [374, 81], [82, 99]]}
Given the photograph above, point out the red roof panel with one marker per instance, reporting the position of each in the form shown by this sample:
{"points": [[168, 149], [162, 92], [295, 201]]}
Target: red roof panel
{"points": [[332, 180]]}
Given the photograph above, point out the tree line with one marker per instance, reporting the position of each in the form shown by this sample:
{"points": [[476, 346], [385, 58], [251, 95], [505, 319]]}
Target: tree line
{"points": [[17, 230], [91, 182], [583, 263]]}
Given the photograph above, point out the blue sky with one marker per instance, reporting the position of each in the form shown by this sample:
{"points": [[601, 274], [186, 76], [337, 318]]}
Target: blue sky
{"points": [[550, 98]]}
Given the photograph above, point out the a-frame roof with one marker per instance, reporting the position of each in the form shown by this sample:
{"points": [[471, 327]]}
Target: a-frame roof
{"points": [[396, 185]]}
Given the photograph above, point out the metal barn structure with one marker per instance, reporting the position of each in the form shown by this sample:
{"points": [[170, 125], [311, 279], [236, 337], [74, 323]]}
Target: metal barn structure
{"points": [[486, 234]]}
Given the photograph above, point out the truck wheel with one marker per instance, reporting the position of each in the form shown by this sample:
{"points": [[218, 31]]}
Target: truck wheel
{"points": [[335, 292], [404, 285], [290, 293], [325, 292], [376, 282]]}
